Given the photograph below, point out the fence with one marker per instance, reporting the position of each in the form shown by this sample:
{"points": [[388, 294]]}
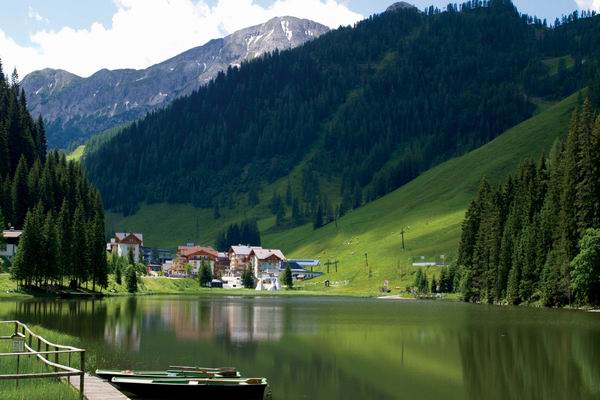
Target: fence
{"points": [[23, 341]]}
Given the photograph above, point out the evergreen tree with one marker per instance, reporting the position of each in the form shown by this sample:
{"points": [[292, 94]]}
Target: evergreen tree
{"points": [[206, 276], [288, 279], [51, 250], [296, 214], [118, 274], [280, 215], [80, 257], [132, 283], [288, 194], [4, 154], [130, 256], [318, 220], [65, 267], [555, 280], [20, 194], [434, 285]]}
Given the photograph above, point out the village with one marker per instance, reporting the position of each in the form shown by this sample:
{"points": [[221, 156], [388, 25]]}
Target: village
{"points": [[226, 268]]}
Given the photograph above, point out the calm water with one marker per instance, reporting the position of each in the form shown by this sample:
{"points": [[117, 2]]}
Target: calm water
{"points": [[322, 348]]}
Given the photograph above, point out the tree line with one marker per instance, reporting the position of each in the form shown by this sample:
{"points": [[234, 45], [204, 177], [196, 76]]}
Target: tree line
{"points": [[534, 238], [50, 199], [245, 233]]}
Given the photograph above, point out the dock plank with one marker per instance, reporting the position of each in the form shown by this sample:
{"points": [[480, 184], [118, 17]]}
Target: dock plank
{"points": [[97, 389]]}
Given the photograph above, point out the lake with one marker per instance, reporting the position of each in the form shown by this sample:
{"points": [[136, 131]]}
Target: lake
{"points": [[342, 348]]}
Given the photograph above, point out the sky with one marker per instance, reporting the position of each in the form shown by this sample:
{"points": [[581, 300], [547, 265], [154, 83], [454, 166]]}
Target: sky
{"points": [[84, 36]]}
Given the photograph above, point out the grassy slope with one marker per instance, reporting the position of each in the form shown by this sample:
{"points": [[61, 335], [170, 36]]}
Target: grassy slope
{"points": [[76, 154], [432, 206]]}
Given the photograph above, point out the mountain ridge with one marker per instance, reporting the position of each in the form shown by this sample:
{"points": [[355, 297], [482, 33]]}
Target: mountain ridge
{"points": [[74, 107]]}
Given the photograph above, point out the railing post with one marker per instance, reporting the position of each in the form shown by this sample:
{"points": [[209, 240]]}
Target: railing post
{"points": [[82, 375], [69, 377], [56, 358]]}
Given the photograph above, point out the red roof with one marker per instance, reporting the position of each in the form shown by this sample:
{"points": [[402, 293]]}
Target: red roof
{"points": [[186, 251]]}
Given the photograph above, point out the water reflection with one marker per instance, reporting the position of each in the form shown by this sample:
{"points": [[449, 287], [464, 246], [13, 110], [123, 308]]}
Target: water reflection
{"points": [[312, 348], [532, 358]]}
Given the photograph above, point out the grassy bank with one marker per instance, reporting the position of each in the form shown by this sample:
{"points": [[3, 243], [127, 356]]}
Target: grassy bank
{"points": [[34, 389]]}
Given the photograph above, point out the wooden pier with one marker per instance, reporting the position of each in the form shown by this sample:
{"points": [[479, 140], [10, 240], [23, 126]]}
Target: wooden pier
{"points": [[98, 389]]}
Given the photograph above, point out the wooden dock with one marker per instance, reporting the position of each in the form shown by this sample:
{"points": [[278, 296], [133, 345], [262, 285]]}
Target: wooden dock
{"points": [[98, 389]]}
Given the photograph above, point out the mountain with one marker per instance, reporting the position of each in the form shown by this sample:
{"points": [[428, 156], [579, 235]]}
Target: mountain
{"points": [[369, 107], [356, 126], [401, 5], [75, 108]]}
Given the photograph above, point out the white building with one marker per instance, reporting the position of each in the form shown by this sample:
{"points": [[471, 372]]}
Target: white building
{"points": [[11, 241], [123, 241]]}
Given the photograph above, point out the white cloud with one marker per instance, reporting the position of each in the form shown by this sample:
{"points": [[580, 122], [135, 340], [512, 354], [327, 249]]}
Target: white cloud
{"points": [[146, 32], [31, 13], [589, 4]]}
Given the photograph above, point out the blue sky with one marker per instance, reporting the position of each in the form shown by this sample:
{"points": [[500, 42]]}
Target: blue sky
{"points": [[85, 35]]}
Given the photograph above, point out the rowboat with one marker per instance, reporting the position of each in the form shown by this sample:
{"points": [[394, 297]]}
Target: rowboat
{"points": [[242, 388], [217, 373]]}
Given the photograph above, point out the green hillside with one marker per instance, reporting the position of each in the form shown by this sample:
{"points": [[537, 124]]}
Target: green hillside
{"points": [[431, 206]]}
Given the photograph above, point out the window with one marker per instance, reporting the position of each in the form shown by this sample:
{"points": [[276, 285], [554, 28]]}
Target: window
{"points": [[3, 247]]}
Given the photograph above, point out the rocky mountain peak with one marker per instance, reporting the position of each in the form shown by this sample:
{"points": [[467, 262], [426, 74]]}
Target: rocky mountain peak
{"points": [[75, 108]]}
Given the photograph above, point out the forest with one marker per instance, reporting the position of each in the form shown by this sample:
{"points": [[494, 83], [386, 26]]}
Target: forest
{"points": [[50, 199], [536, 237], [372, 106]]}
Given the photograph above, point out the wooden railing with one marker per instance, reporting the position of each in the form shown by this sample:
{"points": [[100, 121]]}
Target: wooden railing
{"points": [[42, 351]]}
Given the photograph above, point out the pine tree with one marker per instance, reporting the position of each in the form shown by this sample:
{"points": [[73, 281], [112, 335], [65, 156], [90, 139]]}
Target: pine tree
{"points": [[248, 278], [296, 214], [568, 216], [65, 265], [28, 260], [80, 256], [586, 184], [280, 215], [318, 220], [434, 285], [288, 279], [288, 194], [50, 249], [555, 282], [20, 194], [118, 280], [130, 256], [132, 283], [40, 140], [206, 275], [4, 154]]}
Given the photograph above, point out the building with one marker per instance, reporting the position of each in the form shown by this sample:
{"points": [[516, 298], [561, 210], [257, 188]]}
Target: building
{"points": [[221, 265], [156, 256], [11, 239], [194, 256], [239, 259], [303, 269], [123, 241], [268, 262]]}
